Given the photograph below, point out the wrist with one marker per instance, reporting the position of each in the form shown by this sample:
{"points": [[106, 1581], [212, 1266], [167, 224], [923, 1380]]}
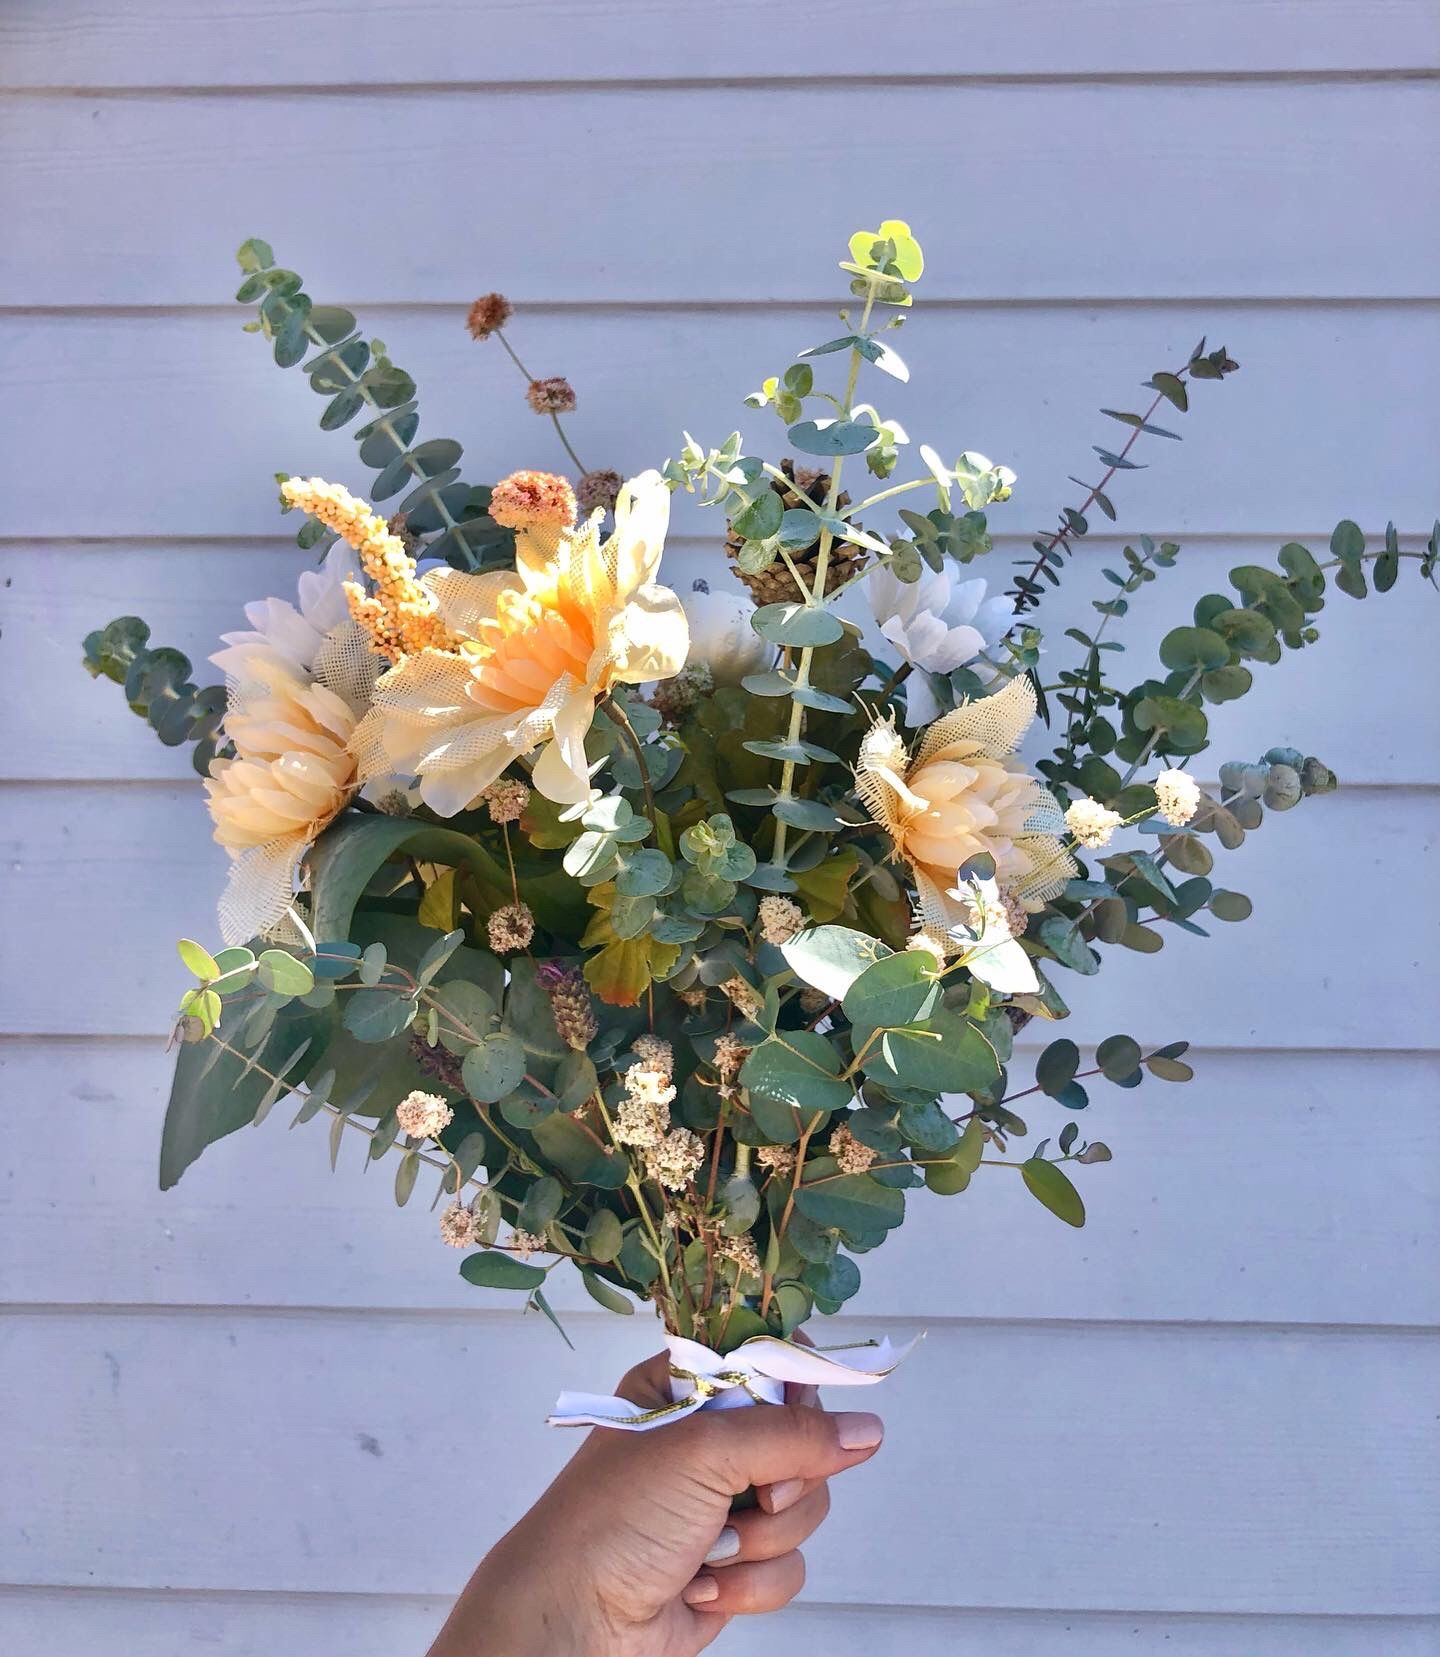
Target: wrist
{"points": [[513, 1606]]}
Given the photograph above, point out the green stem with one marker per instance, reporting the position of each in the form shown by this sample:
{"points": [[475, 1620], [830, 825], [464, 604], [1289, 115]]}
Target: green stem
{"points": [[617, 716], [817, 594]]}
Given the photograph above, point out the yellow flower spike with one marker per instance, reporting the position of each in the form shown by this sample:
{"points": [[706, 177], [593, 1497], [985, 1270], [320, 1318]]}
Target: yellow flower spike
{"points": [[963, 794]]}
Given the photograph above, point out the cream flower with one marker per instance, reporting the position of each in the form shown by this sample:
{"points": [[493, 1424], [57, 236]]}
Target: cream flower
{"points": [[937, 624], [291, 634], [963, 794], [297, 684], [1091, 823], [292, 775], [1177, 797], [538, 650]]}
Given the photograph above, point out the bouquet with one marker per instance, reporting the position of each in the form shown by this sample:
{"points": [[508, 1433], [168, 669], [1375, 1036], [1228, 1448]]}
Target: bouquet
{"points": [[685, 937]]}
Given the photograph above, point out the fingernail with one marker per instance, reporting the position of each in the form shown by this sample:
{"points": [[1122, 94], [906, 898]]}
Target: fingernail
{"points": [[701, 1591], [785, 1494], [725, 1546], [855, 1430]]}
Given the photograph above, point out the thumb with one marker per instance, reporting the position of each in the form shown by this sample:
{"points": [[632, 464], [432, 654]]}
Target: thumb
{"points": [[769, 1443]]}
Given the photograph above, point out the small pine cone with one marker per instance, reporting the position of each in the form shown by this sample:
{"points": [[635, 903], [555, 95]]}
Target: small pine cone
{"points": [[457, 1226], [852, 1156], [526, 1243], [551, 396], [489, 312], [779, 1159], [598, 491], [780, 919], [776, 585], [510, 928], [570, 1002]]}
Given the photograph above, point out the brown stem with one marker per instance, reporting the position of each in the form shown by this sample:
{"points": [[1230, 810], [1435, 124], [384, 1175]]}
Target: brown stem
{"points": [[1025, 600]]}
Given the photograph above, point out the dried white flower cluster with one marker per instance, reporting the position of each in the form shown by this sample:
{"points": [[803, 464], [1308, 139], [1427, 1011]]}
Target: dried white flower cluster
{"points": [[510, 928], [1177, 796], [779, 1159], [744, 997], [852, 1156], [655, 1052], [644, 1113], [526, 1243], [423, 1115], [1091, 823], [673, 1162], [730, 1054], [741, 1251], [505, 799], [457, 1226], [780, 919]]}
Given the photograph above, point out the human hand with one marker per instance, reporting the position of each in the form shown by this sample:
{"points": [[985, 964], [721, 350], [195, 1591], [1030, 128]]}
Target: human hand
{"points": [[633, 1550]]}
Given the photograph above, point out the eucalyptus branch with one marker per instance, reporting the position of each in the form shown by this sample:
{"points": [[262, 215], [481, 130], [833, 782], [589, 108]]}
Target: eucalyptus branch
{"points": [[816, 594]]}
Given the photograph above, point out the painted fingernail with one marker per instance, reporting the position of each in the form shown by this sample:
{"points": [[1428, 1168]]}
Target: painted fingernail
{"points": [[701, 1591], [725, 1546], [855, 1430], [785, 1494]]}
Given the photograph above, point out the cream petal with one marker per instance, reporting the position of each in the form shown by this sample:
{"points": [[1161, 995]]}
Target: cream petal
{"points": [[960, 645], [654, 637], [464, 599], [997, 723], [562, 772], [921, 703], [642, 517]]}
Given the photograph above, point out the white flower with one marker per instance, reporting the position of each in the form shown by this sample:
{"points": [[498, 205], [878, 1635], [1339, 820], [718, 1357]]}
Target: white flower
{"points": [[937, 624], [721, 637], [1177, 796], [1091, 823], [292, 633], [423, 1115], [987, 945]]}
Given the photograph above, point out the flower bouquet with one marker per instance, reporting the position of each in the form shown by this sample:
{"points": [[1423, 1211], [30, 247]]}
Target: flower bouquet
{"points": [[685, 938]]}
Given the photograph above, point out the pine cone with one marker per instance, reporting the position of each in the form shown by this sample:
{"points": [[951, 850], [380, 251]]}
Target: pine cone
{"points": [[776, 585]]}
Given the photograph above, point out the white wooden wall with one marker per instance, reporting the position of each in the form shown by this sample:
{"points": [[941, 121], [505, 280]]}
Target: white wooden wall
{"points": [[1205, 1425]]}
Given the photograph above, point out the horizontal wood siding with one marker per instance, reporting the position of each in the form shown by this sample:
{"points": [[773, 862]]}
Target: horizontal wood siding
{"points": [[1256, 189], [1204, 1425]]}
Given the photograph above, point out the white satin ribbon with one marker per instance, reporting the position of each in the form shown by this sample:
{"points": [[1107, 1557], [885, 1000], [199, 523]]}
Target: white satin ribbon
{"points": [[754, 1373]]}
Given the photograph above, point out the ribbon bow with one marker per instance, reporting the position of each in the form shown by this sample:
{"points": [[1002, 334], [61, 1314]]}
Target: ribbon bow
{"points": [[754, 1373]]}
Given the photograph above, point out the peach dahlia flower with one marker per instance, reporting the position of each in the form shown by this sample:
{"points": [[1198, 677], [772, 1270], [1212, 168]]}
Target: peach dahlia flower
{"points": [[961, 794], [536, 651], [297, 685]]}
